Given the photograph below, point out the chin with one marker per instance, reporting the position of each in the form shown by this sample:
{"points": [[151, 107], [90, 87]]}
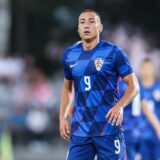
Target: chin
{"points": [[87, 38]]}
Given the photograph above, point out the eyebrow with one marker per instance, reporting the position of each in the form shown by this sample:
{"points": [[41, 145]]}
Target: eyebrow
{"points": [[85, 19]]}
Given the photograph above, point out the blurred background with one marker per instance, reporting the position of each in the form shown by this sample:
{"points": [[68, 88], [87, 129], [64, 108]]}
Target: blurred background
{"points": [[33, 35]]}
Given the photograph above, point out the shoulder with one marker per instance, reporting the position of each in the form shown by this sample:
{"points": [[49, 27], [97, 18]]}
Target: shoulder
{"points": [[106, 44], [112, 48], [71, 53], [73, 47]]}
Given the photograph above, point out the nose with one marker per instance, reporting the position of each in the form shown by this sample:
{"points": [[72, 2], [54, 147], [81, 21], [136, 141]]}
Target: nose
{"points": [[86, 25]]}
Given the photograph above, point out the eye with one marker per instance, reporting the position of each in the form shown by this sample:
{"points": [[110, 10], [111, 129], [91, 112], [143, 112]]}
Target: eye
{"points": [[81, 22], [92, 21]]}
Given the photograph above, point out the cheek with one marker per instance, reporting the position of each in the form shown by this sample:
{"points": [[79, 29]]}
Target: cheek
{"points": [[80, 29], [95, 28], [80, 32]]}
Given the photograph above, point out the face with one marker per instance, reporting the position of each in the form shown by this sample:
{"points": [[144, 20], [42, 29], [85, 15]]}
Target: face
{"points": [[147, 70], [89, 26]]}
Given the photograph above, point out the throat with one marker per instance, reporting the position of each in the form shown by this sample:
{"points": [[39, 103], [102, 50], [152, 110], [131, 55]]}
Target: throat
{"points": [[89, 45]]}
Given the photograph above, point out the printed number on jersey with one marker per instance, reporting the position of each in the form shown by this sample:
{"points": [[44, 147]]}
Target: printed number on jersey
{"points": [[87, 81], [117, 146]]}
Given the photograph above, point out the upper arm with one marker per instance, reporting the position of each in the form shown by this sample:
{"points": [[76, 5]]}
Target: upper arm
{"points": [[67, 84], [132, 82], [66, 67], [131, 79], [122, 63], [124, 69]]}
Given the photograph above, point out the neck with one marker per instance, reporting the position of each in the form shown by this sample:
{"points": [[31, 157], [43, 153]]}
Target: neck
{"points": [[90, 44], [148, 82]]}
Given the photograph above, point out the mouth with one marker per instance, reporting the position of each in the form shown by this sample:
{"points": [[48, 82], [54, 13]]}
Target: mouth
{"points": [[86, 32]]}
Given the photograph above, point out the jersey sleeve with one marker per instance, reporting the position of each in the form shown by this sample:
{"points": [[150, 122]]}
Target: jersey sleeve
{"points": [[142, 97], [122, 64], [66, 68]]}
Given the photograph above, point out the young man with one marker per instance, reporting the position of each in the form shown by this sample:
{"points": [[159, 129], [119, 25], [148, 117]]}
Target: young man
{"points": [[150, 117], [94, 67]]}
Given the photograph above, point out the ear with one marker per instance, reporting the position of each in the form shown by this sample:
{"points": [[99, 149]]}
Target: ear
{"points": [[101, 28]]}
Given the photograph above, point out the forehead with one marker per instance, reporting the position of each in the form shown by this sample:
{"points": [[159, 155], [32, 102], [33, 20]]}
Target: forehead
{"points": [[147, 65], [88, 15]]}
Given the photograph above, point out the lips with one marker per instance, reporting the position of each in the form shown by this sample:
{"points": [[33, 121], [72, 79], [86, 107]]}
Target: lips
{"points": [[87, 32]]}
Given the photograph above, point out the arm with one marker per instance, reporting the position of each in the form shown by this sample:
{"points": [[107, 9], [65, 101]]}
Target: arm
{"points": [[115, 114], [69, 110], [64, 125], [152, 118]]}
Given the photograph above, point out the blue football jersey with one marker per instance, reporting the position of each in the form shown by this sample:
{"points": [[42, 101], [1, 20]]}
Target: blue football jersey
{"points": [[95, 75], [152, 96]]}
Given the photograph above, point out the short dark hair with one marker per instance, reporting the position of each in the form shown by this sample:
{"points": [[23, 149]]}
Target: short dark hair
{"points": [[147, 60], [93, 11]]}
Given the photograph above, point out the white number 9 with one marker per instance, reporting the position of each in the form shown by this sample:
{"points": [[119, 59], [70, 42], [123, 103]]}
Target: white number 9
{"points": [[117, 145], [87, 81]]}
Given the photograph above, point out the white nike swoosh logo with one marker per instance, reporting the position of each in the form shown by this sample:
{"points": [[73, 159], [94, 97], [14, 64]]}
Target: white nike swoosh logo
{"points": [[73, 65]]}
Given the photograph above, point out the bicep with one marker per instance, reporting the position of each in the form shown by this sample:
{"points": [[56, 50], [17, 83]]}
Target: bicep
{"points": [[67, 84], [131, 79], [122, 64]]}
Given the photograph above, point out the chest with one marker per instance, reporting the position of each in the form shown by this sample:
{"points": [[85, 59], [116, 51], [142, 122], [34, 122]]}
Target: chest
{"points": [[92, 65]]}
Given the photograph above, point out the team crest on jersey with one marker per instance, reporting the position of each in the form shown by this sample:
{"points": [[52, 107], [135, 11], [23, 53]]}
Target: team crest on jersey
{"points": [[98, 63]]}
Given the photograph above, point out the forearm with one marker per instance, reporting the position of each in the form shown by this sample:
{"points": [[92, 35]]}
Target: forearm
{"points": [[65, 97], [152, 118], [64, 102]]}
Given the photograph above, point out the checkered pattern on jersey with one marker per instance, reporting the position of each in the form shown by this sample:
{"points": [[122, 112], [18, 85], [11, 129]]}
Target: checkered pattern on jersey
{"points": [[95, 74]]}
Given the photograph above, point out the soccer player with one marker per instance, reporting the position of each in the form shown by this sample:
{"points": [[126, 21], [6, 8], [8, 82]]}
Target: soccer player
{"points": [[94, 66], [150, 118]]}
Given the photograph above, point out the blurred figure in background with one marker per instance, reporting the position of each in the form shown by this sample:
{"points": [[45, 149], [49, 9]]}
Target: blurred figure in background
{"points": [[150, 117]]}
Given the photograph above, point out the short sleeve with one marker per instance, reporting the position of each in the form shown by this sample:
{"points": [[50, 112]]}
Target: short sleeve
{"points": [[122, 64], [66, 68], [142, 97]]}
